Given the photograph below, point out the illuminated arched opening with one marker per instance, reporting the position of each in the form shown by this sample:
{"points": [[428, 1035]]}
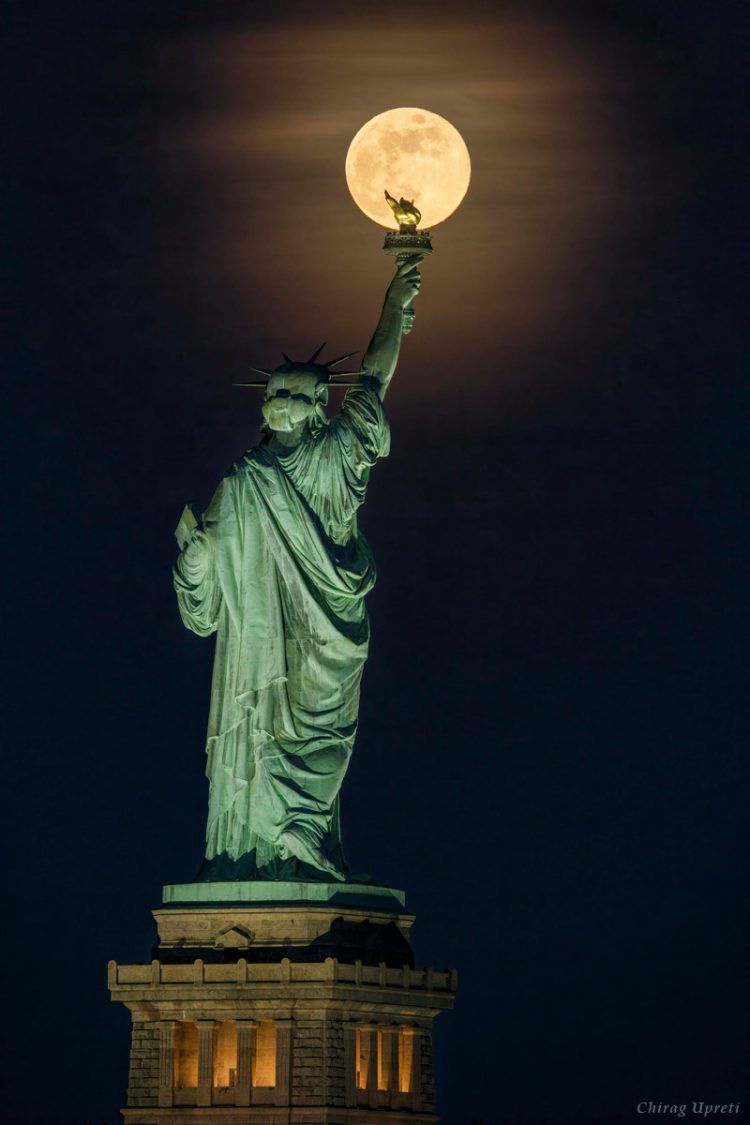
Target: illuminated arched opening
{"points": [[185, 1056], [264, 1056], [405, 1061], [225, 1055]]}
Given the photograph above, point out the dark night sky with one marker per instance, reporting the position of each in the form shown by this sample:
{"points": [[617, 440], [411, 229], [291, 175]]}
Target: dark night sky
{"points": [[550, 758]]}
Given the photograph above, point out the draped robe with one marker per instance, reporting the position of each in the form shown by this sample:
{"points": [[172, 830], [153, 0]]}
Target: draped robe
{"points": [[279, 571]]}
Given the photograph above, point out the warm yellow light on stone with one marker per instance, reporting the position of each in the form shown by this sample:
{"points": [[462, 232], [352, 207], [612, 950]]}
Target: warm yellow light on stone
{"points": [[185, 1056], [411, 153], [264, 1070], [405, 1060], [384, 1060], [362, 1052], [225, 1055]]}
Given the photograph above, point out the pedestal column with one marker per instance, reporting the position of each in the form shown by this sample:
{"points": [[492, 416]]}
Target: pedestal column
{"points": [[350, 1064], [283, 1061], [166, 1062], [245, 1048], [205, 1060], [393, 1037], [369, 1039]]}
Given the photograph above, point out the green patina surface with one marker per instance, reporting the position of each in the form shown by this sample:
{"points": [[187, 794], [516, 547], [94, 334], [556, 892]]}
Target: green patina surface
{"points": [[278, 570], [280, 890]]}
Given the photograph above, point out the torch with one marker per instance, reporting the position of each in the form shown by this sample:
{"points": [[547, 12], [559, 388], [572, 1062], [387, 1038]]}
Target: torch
{"points": [[411, 166]]}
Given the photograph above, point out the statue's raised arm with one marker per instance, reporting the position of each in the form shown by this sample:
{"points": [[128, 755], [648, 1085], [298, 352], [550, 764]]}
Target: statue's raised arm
{"points": [[396, 320]]}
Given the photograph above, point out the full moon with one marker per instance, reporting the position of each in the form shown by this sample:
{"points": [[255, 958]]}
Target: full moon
{"points": [[411, 153]]}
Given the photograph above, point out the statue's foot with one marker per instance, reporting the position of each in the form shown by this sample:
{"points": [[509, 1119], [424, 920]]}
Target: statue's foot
{"points": [[295, 843]]}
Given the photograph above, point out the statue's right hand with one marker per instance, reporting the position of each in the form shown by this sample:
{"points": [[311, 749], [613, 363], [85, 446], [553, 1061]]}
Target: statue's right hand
{"points": [[405, 285]]}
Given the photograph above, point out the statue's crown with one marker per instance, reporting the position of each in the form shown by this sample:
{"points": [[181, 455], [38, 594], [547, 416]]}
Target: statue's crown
{"points": [[322, 372]]}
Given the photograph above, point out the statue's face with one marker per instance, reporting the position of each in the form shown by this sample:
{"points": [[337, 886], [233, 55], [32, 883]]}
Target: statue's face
{"points": [[289, 400]]}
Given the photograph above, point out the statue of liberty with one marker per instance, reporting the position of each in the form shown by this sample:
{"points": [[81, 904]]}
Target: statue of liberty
{"points": [[277, 568]]}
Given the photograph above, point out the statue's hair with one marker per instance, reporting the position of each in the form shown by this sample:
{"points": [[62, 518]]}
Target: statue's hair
{"points": [[317, 421]]}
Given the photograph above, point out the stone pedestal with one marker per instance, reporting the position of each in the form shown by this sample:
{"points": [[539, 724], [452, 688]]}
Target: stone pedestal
{"points": [[293, 1003]]}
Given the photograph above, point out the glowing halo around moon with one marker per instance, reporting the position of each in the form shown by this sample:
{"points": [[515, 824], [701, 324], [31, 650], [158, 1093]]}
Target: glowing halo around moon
{"points": [[412, 153]]}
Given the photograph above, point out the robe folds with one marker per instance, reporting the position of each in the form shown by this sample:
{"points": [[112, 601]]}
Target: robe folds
{"points": [[279, 571]]}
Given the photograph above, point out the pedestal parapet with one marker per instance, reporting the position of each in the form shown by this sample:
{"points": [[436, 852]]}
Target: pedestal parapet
{"points": [[267, 921], [281, 1010]]}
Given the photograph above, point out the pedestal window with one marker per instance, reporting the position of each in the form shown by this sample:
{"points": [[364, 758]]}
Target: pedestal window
{"points": [[385, 1060], [364, 1061], [225, 1056], [185, 1056], [232, 1062], [264, 1058], [406, 1041], [385, 1067]]}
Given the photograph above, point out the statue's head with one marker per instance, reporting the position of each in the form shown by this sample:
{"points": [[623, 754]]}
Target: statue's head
{"points": [[297, 391], [294, 393]]}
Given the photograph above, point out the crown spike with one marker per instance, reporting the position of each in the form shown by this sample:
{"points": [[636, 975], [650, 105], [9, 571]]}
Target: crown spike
{"points": [[286, 357], [333, 362], [315, 355]]}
